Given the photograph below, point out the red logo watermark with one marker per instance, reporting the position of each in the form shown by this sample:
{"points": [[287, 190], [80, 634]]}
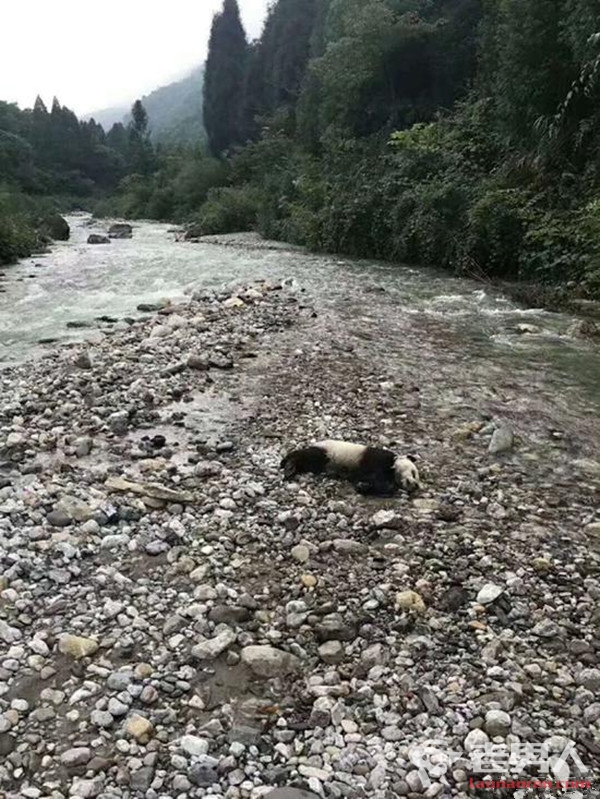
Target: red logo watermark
{"points": [[556, 785]]}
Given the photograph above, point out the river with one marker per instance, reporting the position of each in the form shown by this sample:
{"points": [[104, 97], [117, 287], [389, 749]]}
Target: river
{"points": [[78, 283]]}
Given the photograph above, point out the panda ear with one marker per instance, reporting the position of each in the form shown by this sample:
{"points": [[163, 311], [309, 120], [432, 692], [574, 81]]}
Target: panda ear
{"points": [[412, 458]]}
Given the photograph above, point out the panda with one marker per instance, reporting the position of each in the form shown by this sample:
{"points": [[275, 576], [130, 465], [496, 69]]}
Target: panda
{"points": [[371, 469]]}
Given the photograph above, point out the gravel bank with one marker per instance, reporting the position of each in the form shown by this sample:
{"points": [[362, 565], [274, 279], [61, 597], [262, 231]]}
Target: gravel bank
{"points": [[175, 621]]}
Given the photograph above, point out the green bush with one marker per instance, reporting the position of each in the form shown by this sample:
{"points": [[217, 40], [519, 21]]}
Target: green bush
{"points": [[229, 210], [496, 231], [17, 239]]}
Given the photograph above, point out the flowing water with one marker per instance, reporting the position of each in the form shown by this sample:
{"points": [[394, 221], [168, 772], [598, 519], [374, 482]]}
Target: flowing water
{"points": [[77, 283]]}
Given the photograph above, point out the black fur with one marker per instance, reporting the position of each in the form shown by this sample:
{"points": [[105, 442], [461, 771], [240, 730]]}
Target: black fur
{"points": [[375, 474], [301, 461]]}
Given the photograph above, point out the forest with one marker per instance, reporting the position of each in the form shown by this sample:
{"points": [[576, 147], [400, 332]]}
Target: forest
{"points": [[463, 134]]}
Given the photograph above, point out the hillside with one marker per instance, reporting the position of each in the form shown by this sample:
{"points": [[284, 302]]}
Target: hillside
{"points": [[174, 111]]}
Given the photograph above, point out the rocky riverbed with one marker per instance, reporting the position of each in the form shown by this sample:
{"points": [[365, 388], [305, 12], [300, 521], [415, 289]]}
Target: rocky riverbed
{"points": [[176, 621]]}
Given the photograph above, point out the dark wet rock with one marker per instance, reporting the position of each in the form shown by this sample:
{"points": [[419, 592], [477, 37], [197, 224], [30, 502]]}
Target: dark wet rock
{"points": [[228, 614], [220, 362], [55, 227], [96, 238], [198, 362], [120, 230], [204, 772], [78, 324], [58, 518], [7, 744], [83, 360], [334, 628]]}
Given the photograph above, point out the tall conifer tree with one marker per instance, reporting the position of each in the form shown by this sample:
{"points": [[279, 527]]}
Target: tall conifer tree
{"points": [[224, 79]]}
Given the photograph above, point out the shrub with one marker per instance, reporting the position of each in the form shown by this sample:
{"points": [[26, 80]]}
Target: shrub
{"points": [[17, 239], [496, 231], [229, 210]]}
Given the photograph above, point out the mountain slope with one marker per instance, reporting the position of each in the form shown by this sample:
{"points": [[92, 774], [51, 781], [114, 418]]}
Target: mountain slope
{"points": [[174, 111]]}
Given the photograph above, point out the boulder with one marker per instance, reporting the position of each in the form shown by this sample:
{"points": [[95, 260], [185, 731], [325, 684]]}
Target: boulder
{"points": [[193, 231], [53, 226], [120, 230], [584, 329], [95, 238]]}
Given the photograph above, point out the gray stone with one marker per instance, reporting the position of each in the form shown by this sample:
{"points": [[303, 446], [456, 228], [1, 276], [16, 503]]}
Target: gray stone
{"points": [[334, 628], [212, 648], [58, 518], [83, 360], [266, 661], [590, 679], [290, 793], [497, 722], [119, 422], [119, 680], [204, 772], [194, 746], [502, 441], [489, 593], [101, 718], [321, 712], [141, 779], [78, 756], [331, 652]]}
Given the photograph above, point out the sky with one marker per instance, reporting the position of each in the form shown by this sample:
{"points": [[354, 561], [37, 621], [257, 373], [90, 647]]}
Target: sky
{"points": [[96, 55]]}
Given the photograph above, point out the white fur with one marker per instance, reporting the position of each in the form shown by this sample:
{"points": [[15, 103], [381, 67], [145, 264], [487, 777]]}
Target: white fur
{"points": [[407, 473], [342, 453]]}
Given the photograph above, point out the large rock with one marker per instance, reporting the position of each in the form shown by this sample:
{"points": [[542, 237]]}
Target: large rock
{"points": [[120, 230], [290, 793], [212, 648], [54, 226], [76, 646], [502, 440], [95, 238], [585, 329], [266, 661]]}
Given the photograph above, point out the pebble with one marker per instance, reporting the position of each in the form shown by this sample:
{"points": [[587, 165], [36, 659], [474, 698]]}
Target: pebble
{"points": [[497, 723], [489, 593], [178, 621]]}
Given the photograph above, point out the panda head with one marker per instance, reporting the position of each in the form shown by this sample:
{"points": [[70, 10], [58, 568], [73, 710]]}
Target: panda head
{"points": [[406, 473]]}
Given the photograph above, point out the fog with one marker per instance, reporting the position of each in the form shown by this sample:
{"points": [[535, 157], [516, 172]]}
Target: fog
{"points": [[92, 57]]}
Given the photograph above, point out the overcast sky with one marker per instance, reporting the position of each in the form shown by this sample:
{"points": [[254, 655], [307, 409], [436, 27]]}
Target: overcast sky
{"points": [[94, 55]]}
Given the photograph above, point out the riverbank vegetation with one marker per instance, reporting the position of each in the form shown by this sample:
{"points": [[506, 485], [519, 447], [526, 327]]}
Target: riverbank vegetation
{"points": [[456, 133], [50, 162], [463, 134]]}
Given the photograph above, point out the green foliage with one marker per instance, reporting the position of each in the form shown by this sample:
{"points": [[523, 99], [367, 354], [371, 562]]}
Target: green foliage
{"points": [[229, 209], [225, 80], [18, 237]]}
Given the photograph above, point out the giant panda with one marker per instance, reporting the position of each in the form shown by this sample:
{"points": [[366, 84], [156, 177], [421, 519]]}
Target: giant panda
{"points": [[371, 469]]}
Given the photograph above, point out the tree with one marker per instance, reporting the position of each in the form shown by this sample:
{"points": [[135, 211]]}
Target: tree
{"points": [[141, 152], [140, 118], [225, 80]]}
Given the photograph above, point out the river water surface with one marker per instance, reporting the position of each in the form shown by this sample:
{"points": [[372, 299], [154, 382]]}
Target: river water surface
{"points": [[78, 282]]}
